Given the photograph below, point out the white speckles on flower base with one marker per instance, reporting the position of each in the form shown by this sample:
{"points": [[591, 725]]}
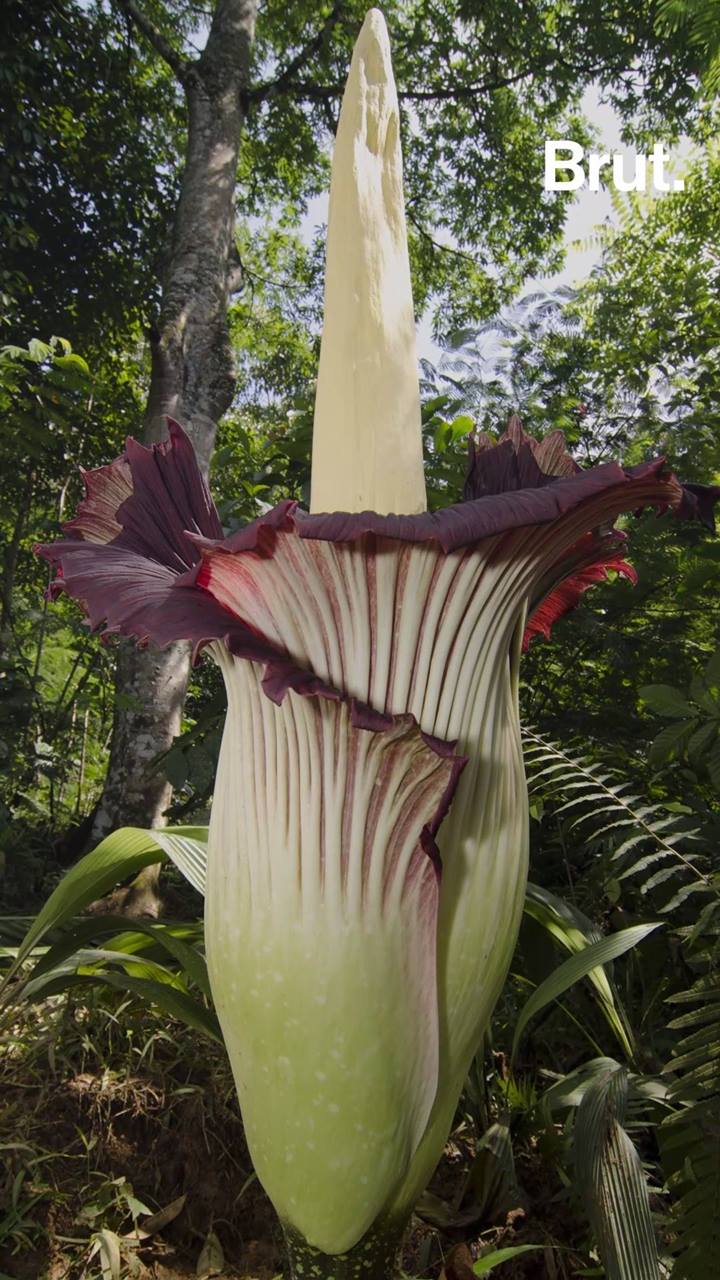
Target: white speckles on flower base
{"points": [[342, 1038]]}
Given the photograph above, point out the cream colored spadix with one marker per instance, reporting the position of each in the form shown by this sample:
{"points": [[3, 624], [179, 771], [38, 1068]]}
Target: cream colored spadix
{"points": [[367, 444]]}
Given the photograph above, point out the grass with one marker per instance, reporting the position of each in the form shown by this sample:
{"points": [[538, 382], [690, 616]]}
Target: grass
{"points": [[106, 1117]]}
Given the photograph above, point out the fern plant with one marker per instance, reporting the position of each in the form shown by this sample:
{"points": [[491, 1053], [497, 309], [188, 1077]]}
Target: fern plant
{"points": [[690, 1135], [642, 842], [654, 847]]}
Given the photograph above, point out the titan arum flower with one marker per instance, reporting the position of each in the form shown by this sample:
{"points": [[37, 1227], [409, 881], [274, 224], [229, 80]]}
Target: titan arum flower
{"points": [[369, 830]]}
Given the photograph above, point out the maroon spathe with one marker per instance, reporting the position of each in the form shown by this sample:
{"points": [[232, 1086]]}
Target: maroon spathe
{"points": [[147, 529]]}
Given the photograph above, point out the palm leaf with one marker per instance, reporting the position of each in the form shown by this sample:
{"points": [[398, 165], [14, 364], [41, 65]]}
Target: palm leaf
{"points": [[612, 1182]]}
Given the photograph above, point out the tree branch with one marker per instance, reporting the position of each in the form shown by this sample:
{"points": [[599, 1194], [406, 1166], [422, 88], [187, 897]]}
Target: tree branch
{"points": [[283, 81], [177, 63], [436, 244], [457, 93], [321, 92]]}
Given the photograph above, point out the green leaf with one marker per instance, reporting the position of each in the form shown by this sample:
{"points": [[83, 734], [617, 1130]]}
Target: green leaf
{"points": [[666, 701], [119, 855], [561, 918], [38, 351], [108, 1246], [81, 931], [191, 962], [611, 1179], [712, 764], [68, 950], [74, 363], [577, 967], [460, 426], [701, 741], [175, 768], [575, 932], [175, 1003], [670, 741], [569, 1090], [442, 436], [88, 962], [187, 849], [485, 1265]]}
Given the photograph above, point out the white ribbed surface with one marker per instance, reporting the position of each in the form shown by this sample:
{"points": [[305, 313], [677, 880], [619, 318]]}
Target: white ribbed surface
{"points": [[321, 917]]}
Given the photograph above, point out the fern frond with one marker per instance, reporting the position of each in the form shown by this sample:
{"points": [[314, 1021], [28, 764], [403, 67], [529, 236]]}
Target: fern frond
{"points": [[641, 838], [690, 1135]]}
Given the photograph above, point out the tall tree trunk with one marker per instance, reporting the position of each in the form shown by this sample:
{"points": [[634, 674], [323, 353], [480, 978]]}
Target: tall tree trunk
{"points": [[192, 379]]}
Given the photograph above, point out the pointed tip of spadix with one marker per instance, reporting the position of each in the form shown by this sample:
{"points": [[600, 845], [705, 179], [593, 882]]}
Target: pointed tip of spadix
{"points": [[372, 53], [373, 33], [367, 441]]}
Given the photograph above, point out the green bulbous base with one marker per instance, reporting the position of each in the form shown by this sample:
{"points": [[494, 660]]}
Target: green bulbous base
{"points": [[375, 1257]]}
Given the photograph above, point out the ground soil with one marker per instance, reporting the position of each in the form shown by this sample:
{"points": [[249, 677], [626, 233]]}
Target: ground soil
{"points": [[79, 1137]]}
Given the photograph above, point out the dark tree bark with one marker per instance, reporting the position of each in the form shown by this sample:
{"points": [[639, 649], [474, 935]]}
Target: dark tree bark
{"points": [[192, 376], [192, 379]]}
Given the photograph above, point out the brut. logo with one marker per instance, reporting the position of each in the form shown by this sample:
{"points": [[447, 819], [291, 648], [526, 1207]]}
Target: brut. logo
{"points": [[565, 169]]}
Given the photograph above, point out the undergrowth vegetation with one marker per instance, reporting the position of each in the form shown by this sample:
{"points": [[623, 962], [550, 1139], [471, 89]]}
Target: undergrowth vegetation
{"points": [[587, 1133]]}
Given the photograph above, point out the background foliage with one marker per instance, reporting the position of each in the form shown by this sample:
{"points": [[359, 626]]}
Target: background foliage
{"points": [[598, 1085]]}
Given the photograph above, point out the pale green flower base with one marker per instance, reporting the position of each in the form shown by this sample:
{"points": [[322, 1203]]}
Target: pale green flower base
{"points": [[375, 1257]]}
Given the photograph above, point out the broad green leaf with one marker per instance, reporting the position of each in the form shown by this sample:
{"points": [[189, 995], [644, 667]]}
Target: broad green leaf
{"points": [[577, 967], [80, 932], [701, 741], [121, 854], [191, 962], [461, 426], [559, 917], [611, 1179], [712, 764], [666, 701], [73, 362], [89, 961], [670, 741], [186, 847], [569, 1090], [38, 350]]}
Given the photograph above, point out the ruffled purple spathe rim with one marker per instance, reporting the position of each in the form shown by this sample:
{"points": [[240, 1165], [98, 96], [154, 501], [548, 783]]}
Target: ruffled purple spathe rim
{"points": [[147, 522], [139, 550]]}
